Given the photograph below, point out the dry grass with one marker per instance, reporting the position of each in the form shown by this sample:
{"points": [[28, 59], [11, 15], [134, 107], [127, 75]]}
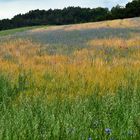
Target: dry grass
{"points": [[116, 42], [88, 62], [126, 23]]}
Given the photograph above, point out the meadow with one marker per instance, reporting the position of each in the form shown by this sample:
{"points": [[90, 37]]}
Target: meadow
{"points": [[73, 82]]}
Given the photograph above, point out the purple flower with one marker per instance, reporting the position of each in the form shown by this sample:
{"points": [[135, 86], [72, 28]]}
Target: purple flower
{"points": [[108, 131]]}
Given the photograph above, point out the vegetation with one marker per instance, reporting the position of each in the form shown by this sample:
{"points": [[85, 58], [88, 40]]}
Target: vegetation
{"points": [[89, 93], [13, 31], [71, 15]]}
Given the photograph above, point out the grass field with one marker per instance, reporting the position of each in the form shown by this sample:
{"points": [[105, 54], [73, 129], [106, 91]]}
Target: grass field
{"points": [[74, 82]]}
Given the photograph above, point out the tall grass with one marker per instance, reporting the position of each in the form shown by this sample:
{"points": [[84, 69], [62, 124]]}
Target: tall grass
{"points": [[54, 115]]}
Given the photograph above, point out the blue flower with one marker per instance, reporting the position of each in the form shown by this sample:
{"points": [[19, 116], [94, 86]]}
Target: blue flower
{"points": [[108, 131], [111, 139], [89, 138]]}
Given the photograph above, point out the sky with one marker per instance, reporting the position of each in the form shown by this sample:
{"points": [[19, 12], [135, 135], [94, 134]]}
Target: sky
{"points": [[9, 8]]}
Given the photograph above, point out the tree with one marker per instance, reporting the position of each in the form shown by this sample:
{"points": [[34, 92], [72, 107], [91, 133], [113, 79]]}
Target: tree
{"points": [[133, 8], [118, 12]]}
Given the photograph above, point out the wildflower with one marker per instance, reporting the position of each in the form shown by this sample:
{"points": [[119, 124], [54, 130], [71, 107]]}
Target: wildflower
{"points": [[89, 138], [111, 139], [108, 131]]}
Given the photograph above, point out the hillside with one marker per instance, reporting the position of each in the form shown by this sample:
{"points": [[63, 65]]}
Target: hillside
{"points": [[71, 82], [77, 35]]}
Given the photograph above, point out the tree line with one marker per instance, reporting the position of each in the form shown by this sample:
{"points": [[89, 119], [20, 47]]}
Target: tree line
{"points": [[71, 15]]}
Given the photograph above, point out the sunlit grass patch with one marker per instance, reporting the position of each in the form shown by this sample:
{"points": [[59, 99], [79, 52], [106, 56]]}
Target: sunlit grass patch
{"points": [[116, 42], [120, 23]]}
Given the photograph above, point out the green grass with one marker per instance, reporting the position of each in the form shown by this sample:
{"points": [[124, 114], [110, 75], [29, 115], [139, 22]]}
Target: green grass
{"points": [[22, 29], [35, 117]]}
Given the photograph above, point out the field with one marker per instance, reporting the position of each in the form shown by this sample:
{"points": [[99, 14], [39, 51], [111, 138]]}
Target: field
{"points": [[74, 82]]}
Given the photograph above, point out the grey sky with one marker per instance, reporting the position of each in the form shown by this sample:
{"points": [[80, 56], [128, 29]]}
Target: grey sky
{"points": [[9, 8]]}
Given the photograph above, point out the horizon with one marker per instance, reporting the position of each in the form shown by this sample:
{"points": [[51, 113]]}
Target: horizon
{"points": [[14, 7]]}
